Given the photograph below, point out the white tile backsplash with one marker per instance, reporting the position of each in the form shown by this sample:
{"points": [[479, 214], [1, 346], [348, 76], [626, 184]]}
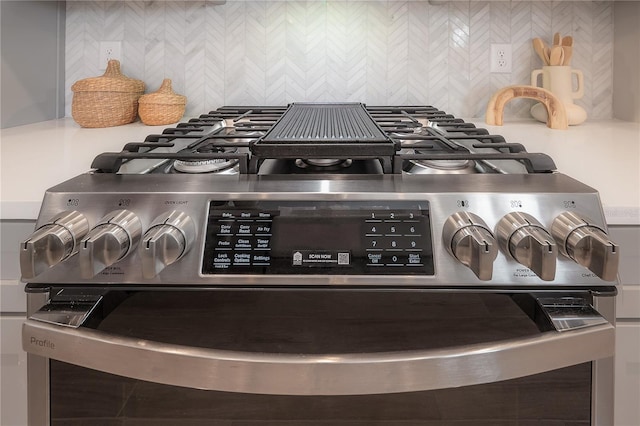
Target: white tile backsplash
{"points": [[377, 52]]}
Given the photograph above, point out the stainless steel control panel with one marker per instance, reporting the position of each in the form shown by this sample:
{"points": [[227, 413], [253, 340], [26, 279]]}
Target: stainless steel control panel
{"points": [[428, 231]]}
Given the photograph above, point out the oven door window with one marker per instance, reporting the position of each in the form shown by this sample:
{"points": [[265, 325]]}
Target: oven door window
{"points": [[317, 323]]}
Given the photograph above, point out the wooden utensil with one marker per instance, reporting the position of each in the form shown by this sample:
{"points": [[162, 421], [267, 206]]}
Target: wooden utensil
{"points": [[556, 39], [556, 56], [547, 55], [538, 46], [567, 46]]}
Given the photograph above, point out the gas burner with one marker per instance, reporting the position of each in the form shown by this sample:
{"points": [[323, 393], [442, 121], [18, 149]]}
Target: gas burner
{"points": [[460, 166], [206, 166], [215, 165], [324, 163]]}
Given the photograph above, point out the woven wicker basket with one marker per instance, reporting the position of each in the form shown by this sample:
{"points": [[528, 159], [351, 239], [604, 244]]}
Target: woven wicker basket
{"points": [[109, 100], [162, 107]]}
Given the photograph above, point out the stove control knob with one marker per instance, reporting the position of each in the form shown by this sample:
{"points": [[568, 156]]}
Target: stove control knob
{"points": [[112, 239], [169, 238], [525, 239], [52, 243], [468, 238], [587, 244]]}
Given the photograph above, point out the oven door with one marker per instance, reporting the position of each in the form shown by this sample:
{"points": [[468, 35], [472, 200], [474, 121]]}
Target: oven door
{"points": [[317, 357]]}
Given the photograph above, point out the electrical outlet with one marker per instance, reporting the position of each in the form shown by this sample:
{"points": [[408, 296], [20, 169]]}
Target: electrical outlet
{"points": [[109, 50], [500, 59]]}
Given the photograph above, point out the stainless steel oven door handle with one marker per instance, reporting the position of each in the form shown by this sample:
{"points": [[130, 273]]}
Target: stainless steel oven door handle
{"points": [[325, 374]]}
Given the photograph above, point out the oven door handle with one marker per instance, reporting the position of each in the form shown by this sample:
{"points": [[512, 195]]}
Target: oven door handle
{"points": [[321, 374]]}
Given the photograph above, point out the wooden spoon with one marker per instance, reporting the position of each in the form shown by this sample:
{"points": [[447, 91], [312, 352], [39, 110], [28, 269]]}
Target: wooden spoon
{"points": [[556, 57], [556, 39], [547, 55], [567, 46], [538, 46]]}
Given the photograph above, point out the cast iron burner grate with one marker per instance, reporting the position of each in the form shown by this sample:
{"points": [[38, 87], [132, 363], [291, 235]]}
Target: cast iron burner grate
{"points": [[390, 136]]}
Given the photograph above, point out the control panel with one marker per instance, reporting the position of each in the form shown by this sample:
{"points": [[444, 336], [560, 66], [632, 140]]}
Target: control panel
{"points": [[269, 237], [354, 233]]}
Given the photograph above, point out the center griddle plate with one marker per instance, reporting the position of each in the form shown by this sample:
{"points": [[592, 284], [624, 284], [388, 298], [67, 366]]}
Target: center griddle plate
{"points": [[325, 130]]}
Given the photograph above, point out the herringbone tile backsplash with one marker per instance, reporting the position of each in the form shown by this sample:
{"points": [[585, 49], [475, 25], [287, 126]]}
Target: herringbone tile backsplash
{"points": [[377, 52]]}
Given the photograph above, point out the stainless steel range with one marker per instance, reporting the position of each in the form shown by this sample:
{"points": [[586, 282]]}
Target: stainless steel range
{"points": [[322, 264]]}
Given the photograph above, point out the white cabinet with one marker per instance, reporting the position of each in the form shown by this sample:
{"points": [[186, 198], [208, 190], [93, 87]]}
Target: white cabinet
{"points": [[12, 296], [13, 390], [627, 390], [13, 360]]}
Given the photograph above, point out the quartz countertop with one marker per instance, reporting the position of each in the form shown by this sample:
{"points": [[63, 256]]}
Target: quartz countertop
{"points": [[38, 156], [603, 154]]}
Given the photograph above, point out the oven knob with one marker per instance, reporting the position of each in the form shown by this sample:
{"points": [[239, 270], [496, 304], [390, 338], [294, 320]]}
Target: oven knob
{"points": [[587, 244], [169, 238], [115, 236], [52, 243], [468, 238], [525, 239]]}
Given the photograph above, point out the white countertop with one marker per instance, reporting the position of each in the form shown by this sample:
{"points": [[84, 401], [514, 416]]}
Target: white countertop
{"points": [[602, 154], [38, 156]]}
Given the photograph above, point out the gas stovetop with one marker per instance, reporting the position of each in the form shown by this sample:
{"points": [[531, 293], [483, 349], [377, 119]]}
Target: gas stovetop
{"points": [[311, 138], [322, 195]]}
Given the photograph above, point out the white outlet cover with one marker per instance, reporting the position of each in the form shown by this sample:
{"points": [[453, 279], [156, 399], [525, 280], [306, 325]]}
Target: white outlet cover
{"points": [[501, 58], [109, 50]]}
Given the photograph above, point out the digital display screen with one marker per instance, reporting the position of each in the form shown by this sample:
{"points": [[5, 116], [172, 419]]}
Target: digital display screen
{"points": [[352, 238]]}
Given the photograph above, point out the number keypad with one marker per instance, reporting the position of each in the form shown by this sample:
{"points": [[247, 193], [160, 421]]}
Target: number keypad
{"points": [[393, 239]]}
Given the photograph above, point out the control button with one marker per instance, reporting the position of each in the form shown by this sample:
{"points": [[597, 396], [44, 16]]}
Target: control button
{"points": [[167, 240], [262, 228], [414, 259], [221, 261], [241, 259], [587, 244], [261, 259], [52, 243], [224, 243], [225, 229], [525, 239], [112, 239], [244, 229], [243, 243], [467, 237], [263, 243], [375, 259]]}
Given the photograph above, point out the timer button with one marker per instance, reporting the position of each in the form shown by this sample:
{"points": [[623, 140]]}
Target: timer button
{"points": [[169, 238], [112, 239], [587, 244], [52, 243], [525, 239], [468, 239]]}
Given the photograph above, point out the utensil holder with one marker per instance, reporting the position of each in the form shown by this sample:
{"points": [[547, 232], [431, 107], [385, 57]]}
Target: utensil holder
{"points": [[558, 79]]}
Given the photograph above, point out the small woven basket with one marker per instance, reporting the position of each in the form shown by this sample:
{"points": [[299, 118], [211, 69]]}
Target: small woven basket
{"points": [[106, 101], [162, 107]]}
